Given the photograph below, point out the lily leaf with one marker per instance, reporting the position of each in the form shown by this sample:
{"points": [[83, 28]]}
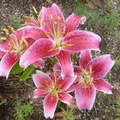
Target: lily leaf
{"points": [[27, 73], [16, 69]]}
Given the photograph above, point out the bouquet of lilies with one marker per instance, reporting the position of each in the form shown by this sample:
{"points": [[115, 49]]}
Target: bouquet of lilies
{"points": [[51, 35]]}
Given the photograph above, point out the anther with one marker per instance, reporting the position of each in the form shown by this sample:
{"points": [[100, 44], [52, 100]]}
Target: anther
{"points": [[51, 16], [3, 38], [11, 29], [59, 18], [44, 23], [6, 30]]}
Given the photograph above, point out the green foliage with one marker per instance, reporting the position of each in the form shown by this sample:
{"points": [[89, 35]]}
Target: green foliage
{"points": [[28, 71], [117, 63], [15, 23], [16, 69], [67, 114], [118, 110], [2, 102], [22, 111], [107, 19]]}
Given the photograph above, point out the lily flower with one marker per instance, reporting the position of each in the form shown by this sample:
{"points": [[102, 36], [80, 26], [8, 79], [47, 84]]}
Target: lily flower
{"points": [[12, 49], [91, 73], [62, 35], [90, 77], [53, 88]]}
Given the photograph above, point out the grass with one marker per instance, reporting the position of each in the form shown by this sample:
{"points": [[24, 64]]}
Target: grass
{"points": [[15, 23], [117, 63], [22, 111], [108, 19], [118, 110]]}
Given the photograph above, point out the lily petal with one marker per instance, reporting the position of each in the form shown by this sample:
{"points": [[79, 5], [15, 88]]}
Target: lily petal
{"points": [[85, 58], [77, 69], [73, 21], [103, 86], [51, 17], [66, 64], [39, 49], [7, 62], [39, 63], [33, 32], [32, 22], [85, 97], [66, 82], [4, 46], [57, 69], [50, 104], [101, 66], [65, 97], [41, 80], [79, 40], [39, 93], [2, 53]]}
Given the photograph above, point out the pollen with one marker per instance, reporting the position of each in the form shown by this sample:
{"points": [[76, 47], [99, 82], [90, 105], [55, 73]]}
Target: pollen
{"points": [[59, 18], [51, 16], [44, 23], [64, 33], [62, 24], [85, 86], [41, 88], [47, 33]]}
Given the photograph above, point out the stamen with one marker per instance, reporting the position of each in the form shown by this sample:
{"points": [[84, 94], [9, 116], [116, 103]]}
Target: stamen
{"points": [[35, 10], [6, 30], [24, 24], [27, 17], [41, 88], [24, 41], [47, 33], [3, 38], [11, 29], [10, 48]]}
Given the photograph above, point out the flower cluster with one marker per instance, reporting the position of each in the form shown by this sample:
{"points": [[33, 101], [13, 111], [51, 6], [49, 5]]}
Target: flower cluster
{"points": [[51, 35]]}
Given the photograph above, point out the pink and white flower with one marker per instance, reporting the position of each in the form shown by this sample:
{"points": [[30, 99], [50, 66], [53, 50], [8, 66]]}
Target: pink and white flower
{"points": [[53, 88], [62, 35], [91, 73], [15, 45]]}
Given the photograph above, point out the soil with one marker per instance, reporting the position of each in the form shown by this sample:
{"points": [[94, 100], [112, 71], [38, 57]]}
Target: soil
{"points": [[12, 90]]}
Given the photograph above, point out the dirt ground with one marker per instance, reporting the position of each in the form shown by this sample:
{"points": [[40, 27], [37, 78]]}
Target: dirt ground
{"points": [[11, 89]]}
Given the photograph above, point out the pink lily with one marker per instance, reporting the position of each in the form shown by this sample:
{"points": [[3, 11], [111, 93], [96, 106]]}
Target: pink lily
{"points": [[12, 49], [62, 35], [90, 78], [65, 64], [53, 89]]}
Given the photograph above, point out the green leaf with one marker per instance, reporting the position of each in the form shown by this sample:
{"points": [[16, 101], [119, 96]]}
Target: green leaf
{"points": [[27, 73], [16, 69]]}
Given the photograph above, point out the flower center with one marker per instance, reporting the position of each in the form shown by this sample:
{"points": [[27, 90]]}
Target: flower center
{"points": [[55, 28], [86, 78]]}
